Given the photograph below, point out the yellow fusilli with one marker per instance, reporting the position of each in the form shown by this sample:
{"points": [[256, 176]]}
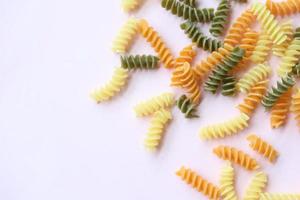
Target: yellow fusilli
{"points": [[227, 183], [279, 196], [288, 29], [114, 86], [154, 104], [225, 129], [262, 49], [156, 129], [256, 186], [130, 5]]}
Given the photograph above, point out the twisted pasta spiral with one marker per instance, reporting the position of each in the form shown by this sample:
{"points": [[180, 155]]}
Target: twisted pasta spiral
{"points": [[241, 1], [220, 20], [192, 3], [295, 108], [269, 24], [253, 99], [156, 42], [130, 5], [154, 104], [283, 8], [253, 76], [225, 129], [139, 62], [199, 183], [256, 186], [187, 12], [187, 107], [269, 196], [125, 36], [280, 111], [227, 183], [239, 27], [262, 49], [296, 70], [229, 86], [290, 58], [156, 129], [114, 86], [282, 87], [234, 155], [202, 41], [222, 69], [287, 28], [262, 147]]}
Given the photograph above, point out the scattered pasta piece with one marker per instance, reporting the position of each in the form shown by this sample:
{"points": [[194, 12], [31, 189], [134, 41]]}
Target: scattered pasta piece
{"points": [[227, 183], [288, 29], [139, 62], [220, 19], [263, 148], [130, 5], [236, 156], [284, 8], [253, 76], [164, 53], [256, 186], [114, 86], [229, 86], [225, 129], [262, 49], [192, 3], [197, 182], [295, 108], [187, 107], [279, 196], [156, 129], [154, 104], [281, 109], [125, 36], [269, 24]]}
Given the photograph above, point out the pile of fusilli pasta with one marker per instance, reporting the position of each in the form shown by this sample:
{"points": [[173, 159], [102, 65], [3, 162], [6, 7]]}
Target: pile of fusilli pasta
{"points": [[238, 64]]}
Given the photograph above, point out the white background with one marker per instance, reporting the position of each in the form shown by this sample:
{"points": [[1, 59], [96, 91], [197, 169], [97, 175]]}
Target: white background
{"points": [[56, 143]]}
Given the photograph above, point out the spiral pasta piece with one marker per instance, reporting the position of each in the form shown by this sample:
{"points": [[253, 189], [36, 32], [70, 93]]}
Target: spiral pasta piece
{"points": [[154, 104], [290, 58], [262, 49], [200, 184], [296, 70], [262, 147], [222, 69], [229, 86], [130, 5], [253, 99], [256, 186], [281, 109], [164, 53], [295, 108], [190, 83], [227, 183], [283, 8], [221, 18], [113, 87], [187, 107], [139, 62], [275, 93], [236, 156], [287, 28], [187, 12], [125, 36], [225, 129], [156, 129], [279, 196], [239, 27], [192, 3], [202, 41], [253, 76], [187, 54], [208, 64], [269, 24]]}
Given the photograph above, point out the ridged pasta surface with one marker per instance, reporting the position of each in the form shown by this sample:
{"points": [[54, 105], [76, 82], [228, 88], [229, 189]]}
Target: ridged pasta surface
{"points": [[124, 38], [288, 29], [227, 183], [229, 86], [154, 104], [156, 129], [220, 19], [262, 147], [253, 99], [197, 182], [113, 87], [252, 77], [192, 3], [256, 186], [295, 108], [262, 49], [163, 52], [225, 129], [284, 8], [187, 107], [130, 5], [269, 24], [236, 156], [279, 196], [281, 109], [139, 62]]}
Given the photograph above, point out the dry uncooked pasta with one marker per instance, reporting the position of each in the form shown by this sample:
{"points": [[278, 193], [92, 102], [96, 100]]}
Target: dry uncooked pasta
{"points": [[130, 5], [227, 183], [256, 186]]}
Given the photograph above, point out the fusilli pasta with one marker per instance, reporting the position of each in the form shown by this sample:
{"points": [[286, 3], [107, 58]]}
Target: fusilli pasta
{"points": [[229, 86], [284, 8], [187, 107], [256, 186], [279, 196], [220, 19], [262, 49], [139, 62], [295, 108], [130, 5], [227, 183], [287, 27], [281, 109]]}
